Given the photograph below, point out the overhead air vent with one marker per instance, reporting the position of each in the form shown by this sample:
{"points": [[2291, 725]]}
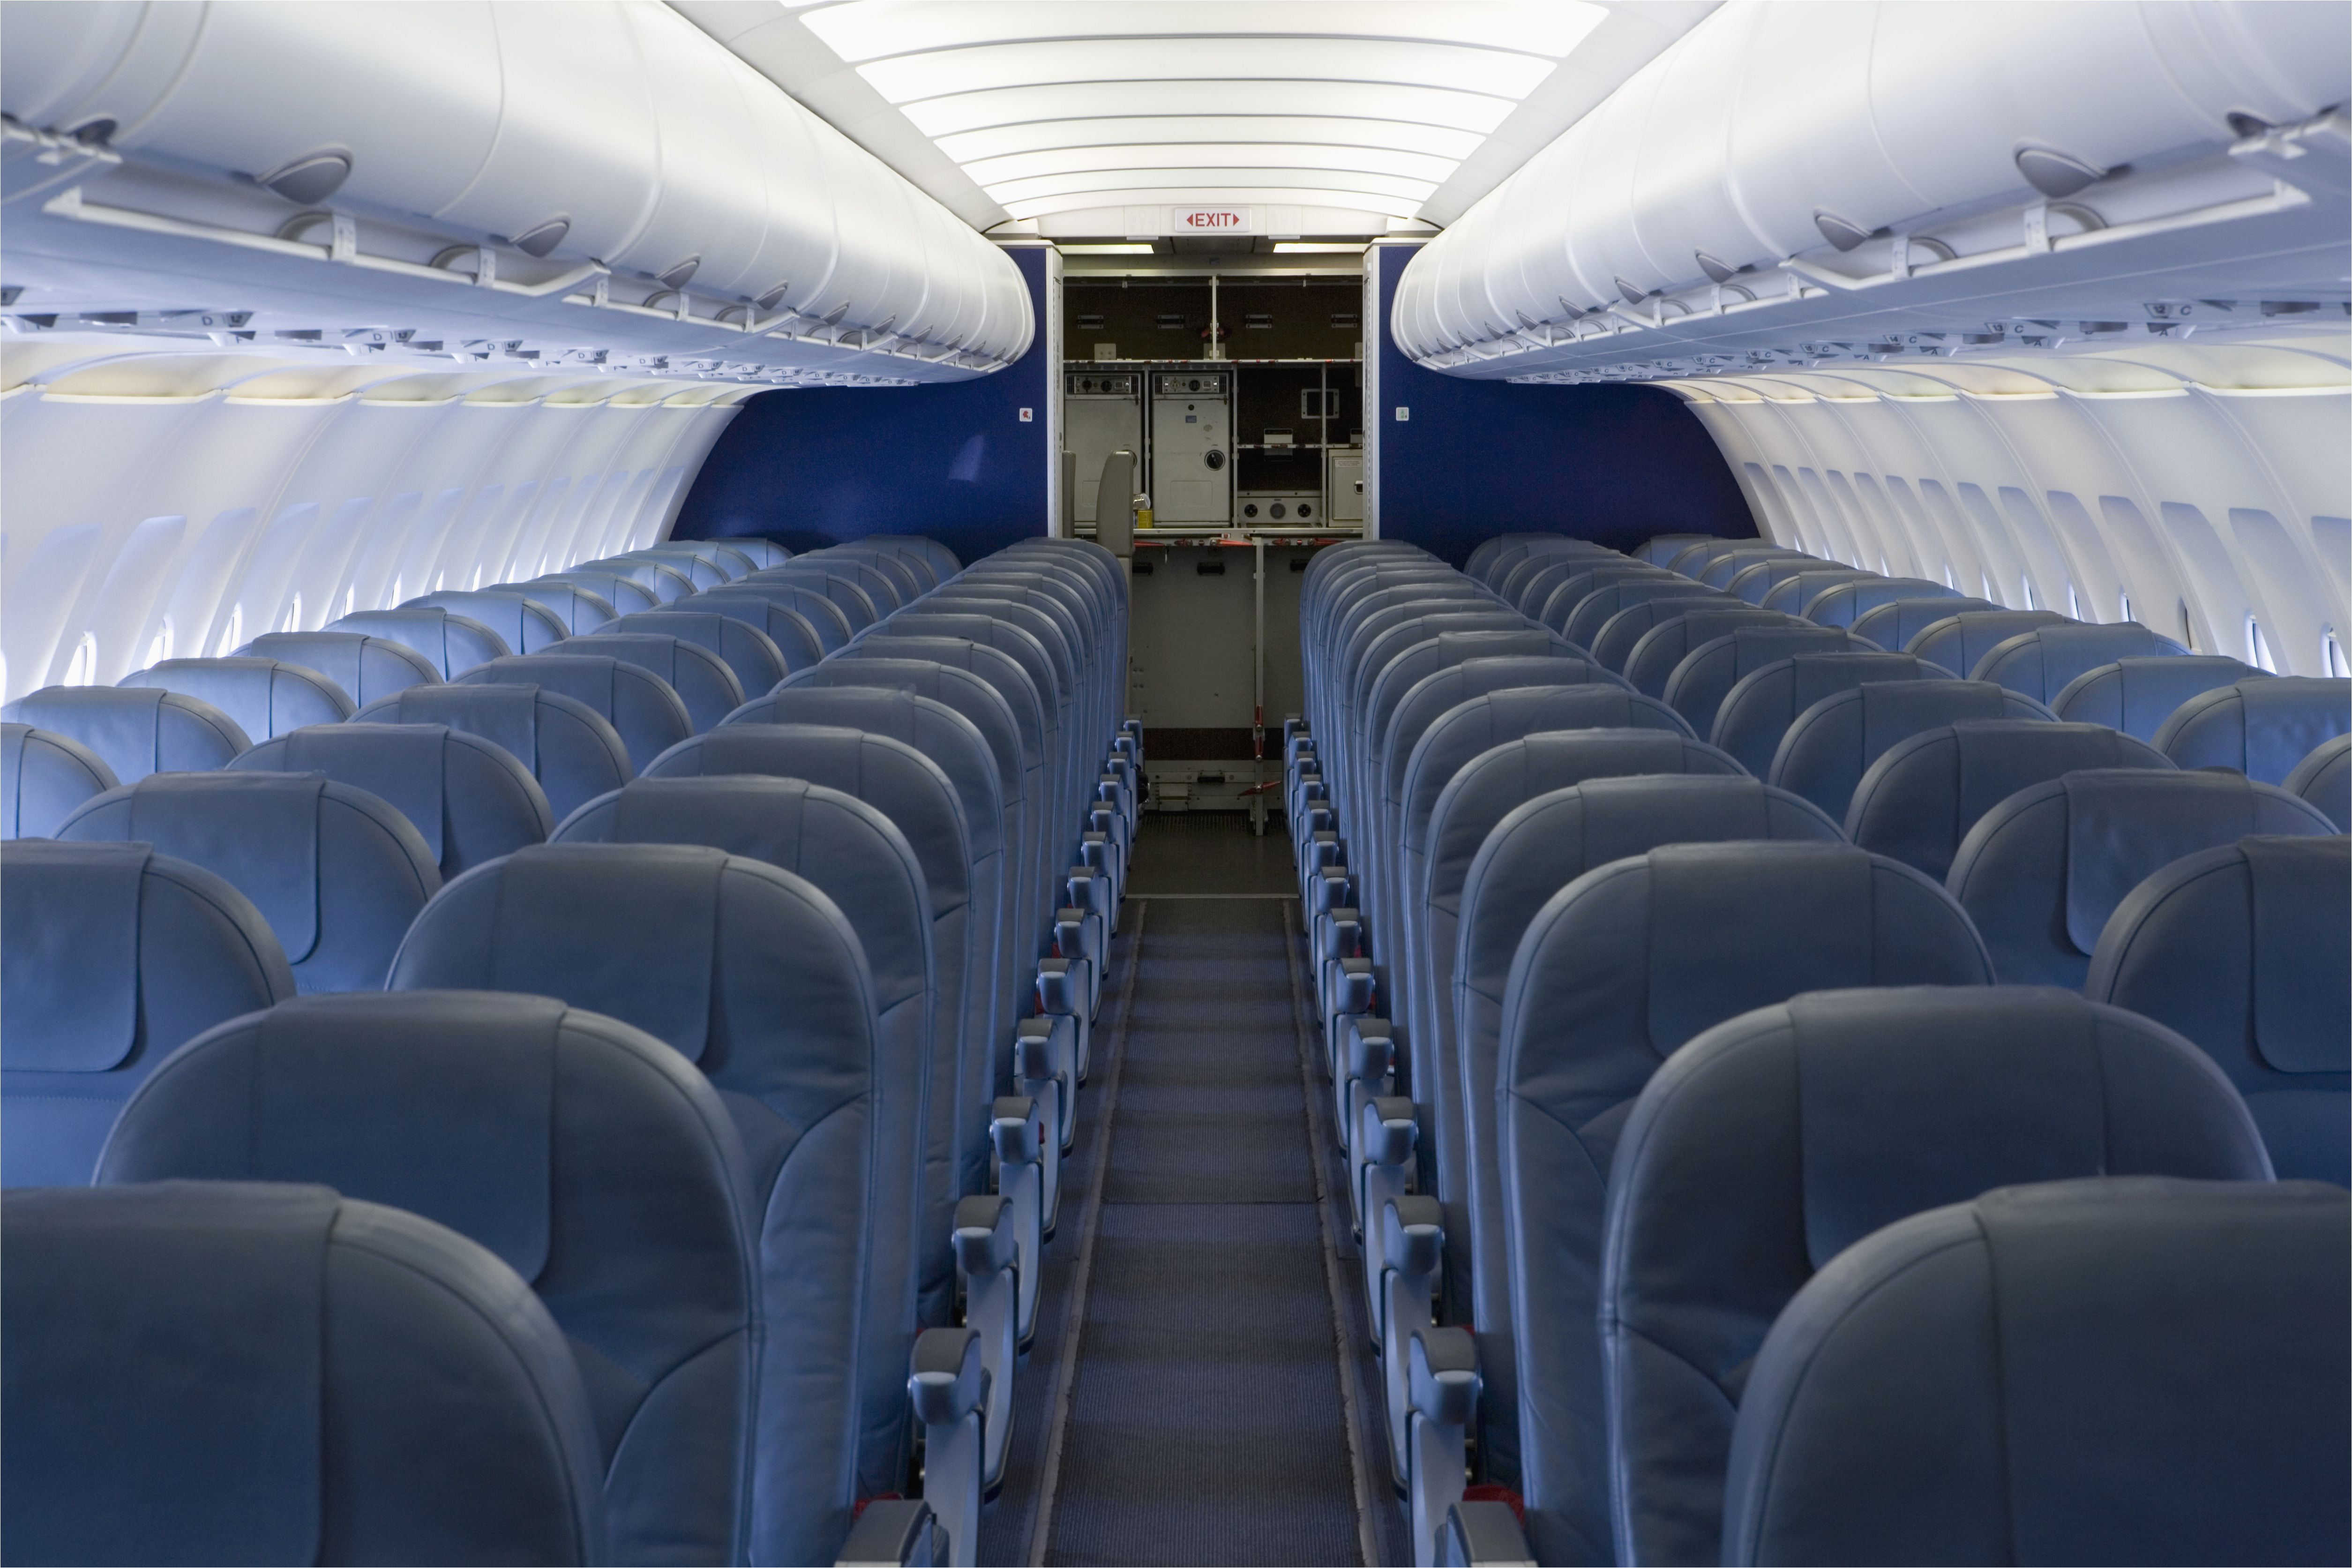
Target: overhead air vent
{"points": [[537, 242], [1717, 271], [1842, 232], [773, 297], [677, 274], [2244, 124], [1633, 296], [308, 179], [95, 131], [2056, 174]]}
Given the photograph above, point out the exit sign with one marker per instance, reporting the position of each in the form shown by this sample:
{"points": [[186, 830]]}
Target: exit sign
{"points": [[1209, 220]]}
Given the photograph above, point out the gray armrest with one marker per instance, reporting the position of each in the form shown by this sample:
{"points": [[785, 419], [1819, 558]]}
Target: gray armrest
{"points": [[1024, 1153], [893, 1533], [949, 1388], [988, 1266], [1485, 1536], [1387, 1136], [1409, 1237], [1066, 988], [1443, 1386]]}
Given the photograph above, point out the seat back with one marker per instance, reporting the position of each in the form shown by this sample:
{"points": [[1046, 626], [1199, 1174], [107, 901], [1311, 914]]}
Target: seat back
{"points": [[579, 608], [643, 709], [43, 776], [763, 553], [624, 593], [662, 579], [111, 957], [2137, 695], [469, 798], [1616, 639], [588, 1157], [2041, 872], [755, 976], [1061, 797], [2042, 662], [835, 586], [2262, 728], [752, 654], [1959, 641], [1582, 625], [134, 731], [362, 667], [1801, 1128], [1620, 969], [2030, 1378], [1892, 622], [1763, 574], [1795, 593], [1923, 795], [2241, 948], [919, 798], [1651, 660], [1700, 681], [1719, 565], [337, 872], [265, 696], [1828, 746], [233, 1372], [451, 643], [701, 679], [1846, 602], [1757, 711], [1597, 577], [573, 752], [1528, 582], [522, 622], [770, 613], [1660, 549], [2324, 779], [701, 570]]}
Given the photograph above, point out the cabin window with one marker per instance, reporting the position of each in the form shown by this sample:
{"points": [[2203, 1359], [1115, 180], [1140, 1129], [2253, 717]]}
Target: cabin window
{"points": [[160, 648], [2125, 609], [293, 616], [2331, 655], [351, 597], [2026, 586], [82, 669], [2074, 604], [232, 633], [2188, 631], [2258, 649]]}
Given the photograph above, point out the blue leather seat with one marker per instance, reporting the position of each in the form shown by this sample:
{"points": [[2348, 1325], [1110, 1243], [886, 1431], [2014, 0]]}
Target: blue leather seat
{"points": [[1330, 697], [773, 614], [1772, 1143], [662, 579], [580, 609], [1923, 795], [2137, 695], [471, 799], [1760, 577], [522, 622], [858, 568], [1357, 594], [1617, 640], [451, 643], [701, 679], [1062, 796], [2041, 872], [753, 656], [1700, 680], [2241, 948], [337, 872], [136, 731], [756, 978], [761, 552], [1796, 593], [365, 667], [111, 956], [1077, 687], [1483, 554], [1894, 623], [1849, 602], [265, 696], [2033, 1377], [2262, 728], [624, 593], [1507, 567], [700, 569], [586, 1155], [1829, 745], [855, 604], [571, 751], [2042, 662], [229, 1371], [1720, 564], [43, 776], [1651, 663], [1616, 972], [918, 799], [1660, 549], [1529, 583], [1960, 641], [720, 553], [641, 707], [1608, 600], [1757, 711], [2324, 779], [1597, 577]]}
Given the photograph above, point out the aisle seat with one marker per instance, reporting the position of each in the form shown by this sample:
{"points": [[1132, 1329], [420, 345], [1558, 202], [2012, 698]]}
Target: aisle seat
{"points": [[1849, 602], [1894, 623], [1602, 580], [1651, 662], [702, 570], [468, 797], [569, 749], [1802, 1129], [1828, 746], [587, 1156], [1660, 549], [1614, 635], [337, 872], [522, 622], [641, 707], [1763, 574], [267, 697], [134, 731], [1959, 641], [701, 679], [1917, 802], [784, 620], [1757, 711], [451, 643], [2137, 695], [111, 957], [739, 644], [1720, 566], [365, 667], [1529, 582], [233, 1371], [2041, 871], [43, 776], [578, 609], [2324, 779], [2262, 728], [763, 553], [835, 586], [1798, 593], [664, 580], [2042, 662], [624, 593], [1734, 648]]}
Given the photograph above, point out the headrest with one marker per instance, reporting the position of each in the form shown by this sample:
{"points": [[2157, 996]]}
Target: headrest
{"points": [[704, 628], [1893, 624], [1959, 641], [1813, 676], [656, 653], [524, 623], [2137, 695], [1897, 711], [558, 902], [1842, 604], [364, 667], [43, 776], [505, 715], [135, 732], [2124, 824], [2263, 728], [2302, 927], [1921, 797], [69, 967], [1796, 592], [1708, 901], [403, 764], [624, 594], [1701, 627], [258, 830], [776, 616], [265, 697], [2041, 661], [1487, 721], [1583, 625], [580, 609], [1625, 816], [454, 643], [2324, 779], [166, 1342]]}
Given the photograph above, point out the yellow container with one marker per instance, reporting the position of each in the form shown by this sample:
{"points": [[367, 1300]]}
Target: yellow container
{"points": [[1143, 517]]}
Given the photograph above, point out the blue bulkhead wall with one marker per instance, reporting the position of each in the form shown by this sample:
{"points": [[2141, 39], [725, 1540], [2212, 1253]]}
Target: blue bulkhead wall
{"points": [[1614, 464], [818, 466]]}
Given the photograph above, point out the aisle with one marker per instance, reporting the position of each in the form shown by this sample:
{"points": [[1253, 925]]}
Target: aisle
{"points": [[1206, 1417]]}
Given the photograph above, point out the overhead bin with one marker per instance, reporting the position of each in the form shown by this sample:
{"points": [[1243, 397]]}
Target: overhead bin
{"points": [[599, 179], [1784, 171]]}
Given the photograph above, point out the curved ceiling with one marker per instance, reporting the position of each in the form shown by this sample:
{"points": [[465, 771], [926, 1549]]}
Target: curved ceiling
{"points": [[1058, 106]]}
